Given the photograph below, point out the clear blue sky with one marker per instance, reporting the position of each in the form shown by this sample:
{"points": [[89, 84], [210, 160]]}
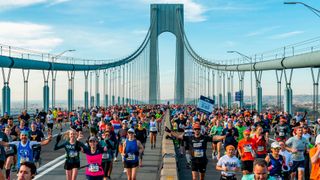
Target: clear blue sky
{"points": [[103, 29]]}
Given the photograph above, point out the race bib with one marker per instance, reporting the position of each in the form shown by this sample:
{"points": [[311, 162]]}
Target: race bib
{"points": [[153, 129], [131, 157], [93, 167], [281, 133], [247, 148], [198, 153], [73, 154], [24, 159], [260, 148], [9, 150], [105, 156]]}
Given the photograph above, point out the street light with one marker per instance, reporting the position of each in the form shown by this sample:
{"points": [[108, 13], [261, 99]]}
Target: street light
{"points": [[249, 59], [59, 55], [54, 73], [314, 10]]}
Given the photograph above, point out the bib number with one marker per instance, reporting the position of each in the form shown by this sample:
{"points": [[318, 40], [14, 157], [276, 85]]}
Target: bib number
{"points": [[93, 167], [198, 153], [73, 154], [247, 148], [153, 129], [131, 157], [105, 156], [260, 148], [281, 134]]}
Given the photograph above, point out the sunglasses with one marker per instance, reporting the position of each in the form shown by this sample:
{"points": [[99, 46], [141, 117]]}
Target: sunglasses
{"points": [[197, 129], [130, 132], [276, 148]]}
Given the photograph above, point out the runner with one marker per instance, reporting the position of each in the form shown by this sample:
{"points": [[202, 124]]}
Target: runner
{"points": [[153, 132], [315, 160], [297, 145], [228, 164], [27, 171], [50, 121], [246, 149], [36, 135], [198, 147], [276, 162], [132, 150], [72, 147], [108, 147], [24, 147], [260, 171], [94, 169], [141, 135], [216, 145]]}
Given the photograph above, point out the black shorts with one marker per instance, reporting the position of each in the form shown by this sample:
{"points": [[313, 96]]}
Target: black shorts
{"points": [[106, 166], [1, 164], [199, 166], [130, 165], [154, 132], [59, 120], [50, 125], [215, 142], [70, 166], [247, 166]]}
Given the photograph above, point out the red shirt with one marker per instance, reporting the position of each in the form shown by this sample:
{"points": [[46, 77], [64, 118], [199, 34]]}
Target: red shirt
{"points": [[247, 148], [261, 145]]}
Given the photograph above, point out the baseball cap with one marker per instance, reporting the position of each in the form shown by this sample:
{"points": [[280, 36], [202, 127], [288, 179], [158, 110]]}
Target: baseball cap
{"points": [[131, 130], [275, 145], [93, 138], [24, 132], [317, 139], [124, 122], [247, 131], [196, 126]]}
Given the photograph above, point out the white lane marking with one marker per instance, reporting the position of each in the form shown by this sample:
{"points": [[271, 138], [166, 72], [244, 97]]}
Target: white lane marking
{"points": [[49, 169], [51, 163]]}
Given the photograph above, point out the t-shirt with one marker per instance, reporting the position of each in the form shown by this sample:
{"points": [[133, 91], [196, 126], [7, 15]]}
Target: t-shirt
{"points": [[247, 148], [315, 167], [230, 162], [300, 145]]}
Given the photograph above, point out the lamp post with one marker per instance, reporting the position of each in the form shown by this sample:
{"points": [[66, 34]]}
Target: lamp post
{"points": [[249, 59], [54, 74], [314, 10]]}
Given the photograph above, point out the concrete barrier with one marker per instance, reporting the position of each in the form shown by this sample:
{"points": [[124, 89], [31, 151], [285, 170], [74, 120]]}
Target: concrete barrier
{"points": [[169, 164]]}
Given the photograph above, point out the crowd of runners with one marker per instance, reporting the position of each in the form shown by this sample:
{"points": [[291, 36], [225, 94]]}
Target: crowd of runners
{"points": [[102, 135], [245, 144]]}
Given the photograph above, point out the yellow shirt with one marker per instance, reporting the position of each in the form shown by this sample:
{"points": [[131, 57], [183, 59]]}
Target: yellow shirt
{"points": [[55, 113], [315, 170]]}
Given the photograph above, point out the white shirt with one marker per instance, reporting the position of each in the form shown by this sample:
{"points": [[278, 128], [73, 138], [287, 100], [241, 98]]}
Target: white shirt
{"points": [[230, 162], [287, 155]]}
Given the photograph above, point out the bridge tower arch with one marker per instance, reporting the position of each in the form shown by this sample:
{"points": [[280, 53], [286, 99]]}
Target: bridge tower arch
{"points": [[166, 18]]}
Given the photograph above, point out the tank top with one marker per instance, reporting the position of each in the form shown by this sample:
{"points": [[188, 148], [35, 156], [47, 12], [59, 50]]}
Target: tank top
{"points": [[276, 165], [131, 150], [94, 165], [116, 125], [24, 153], [153, 126]]}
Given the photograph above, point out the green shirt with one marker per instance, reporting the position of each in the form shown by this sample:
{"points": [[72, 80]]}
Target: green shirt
{"points": [[216, 130], [240, 130]]}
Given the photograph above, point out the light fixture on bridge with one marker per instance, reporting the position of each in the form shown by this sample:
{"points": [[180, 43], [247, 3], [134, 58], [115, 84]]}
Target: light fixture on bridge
{"points": [[314, 10], [249, 59]]}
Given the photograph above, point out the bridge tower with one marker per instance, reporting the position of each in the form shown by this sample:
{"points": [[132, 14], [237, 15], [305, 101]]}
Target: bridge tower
{"points": [[166, 18]]}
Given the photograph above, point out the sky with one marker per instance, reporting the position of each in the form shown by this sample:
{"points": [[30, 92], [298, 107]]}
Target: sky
{"points": [[106, 29]]}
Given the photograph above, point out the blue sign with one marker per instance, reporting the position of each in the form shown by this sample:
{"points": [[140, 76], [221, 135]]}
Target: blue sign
{"points": [[238, 96], [205, 104]]}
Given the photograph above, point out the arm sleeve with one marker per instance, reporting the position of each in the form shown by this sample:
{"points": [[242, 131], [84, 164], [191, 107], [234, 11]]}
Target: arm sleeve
{"points": [[57, 146]]}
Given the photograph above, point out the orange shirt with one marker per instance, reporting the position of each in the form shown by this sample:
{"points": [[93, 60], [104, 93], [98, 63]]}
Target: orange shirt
{"points": [[246, 148], [315, 170]]}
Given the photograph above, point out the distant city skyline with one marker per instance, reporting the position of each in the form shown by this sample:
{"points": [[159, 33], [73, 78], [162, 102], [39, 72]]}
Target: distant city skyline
{"points": [[111, 29]]}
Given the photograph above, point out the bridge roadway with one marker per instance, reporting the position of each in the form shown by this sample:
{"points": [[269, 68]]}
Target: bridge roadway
{"points": [[53, 162]]}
